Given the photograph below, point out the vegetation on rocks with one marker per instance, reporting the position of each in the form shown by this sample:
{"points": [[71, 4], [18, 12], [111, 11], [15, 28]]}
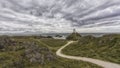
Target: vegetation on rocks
{"points": [[33, 52], [26, 51]]}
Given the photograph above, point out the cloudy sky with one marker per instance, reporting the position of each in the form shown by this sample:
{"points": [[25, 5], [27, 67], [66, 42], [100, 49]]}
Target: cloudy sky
{"points": [[49, 16]]}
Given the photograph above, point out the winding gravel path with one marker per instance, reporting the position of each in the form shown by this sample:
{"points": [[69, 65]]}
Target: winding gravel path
{"points": [[101, 63]]}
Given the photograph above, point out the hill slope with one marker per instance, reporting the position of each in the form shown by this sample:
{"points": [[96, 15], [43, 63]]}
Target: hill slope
{"points": [[28, 52], [74, 36], [104, 48]]}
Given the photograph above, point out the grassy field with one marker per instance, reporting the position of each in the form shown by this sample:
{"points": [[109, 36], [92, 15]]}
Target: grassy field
{"points": [[53, 44], [18, 55], [105, 48]]}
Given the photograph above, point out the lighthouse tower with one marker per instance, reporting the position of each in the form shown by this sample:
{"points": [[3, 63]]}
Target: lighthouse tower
{"points": [[74, 30], [74, 36]]}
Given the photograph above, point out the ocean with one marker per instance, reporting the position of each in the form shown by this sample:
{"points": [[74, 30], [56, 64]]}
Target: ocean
{"points": [[82, 34]]}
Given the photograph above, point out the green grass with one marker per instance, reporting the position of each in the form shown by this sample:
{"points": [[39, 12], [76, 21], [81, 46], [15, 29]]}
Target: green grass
{"points": [[8, 57], [53, 44], [105, 48]]}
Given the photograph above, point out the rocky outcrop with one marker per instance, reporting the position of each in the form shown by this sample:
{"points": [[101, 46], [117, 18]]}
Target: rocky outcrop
{"points": [[74, 36]]}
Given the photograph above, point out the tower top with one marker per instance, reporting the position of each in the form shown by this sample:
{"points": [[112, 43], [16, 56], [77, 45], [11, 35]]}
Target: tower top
{"points": [[74, 30]]}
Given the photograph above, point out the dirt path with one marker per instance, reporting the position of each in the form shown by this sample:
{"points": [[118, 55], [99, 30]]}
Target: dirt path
{"points": [[101, 63]]}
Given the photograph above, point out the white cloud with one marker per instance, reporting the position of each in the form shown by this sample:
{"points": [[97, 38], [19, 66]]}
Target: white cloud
{"points": [[59, 15]]}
